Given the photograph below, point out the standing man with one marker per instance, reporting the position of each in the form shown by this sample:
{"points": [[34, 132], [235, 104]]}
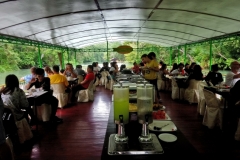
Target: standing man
{"points": [[69, 71], [150, 70], [84, 84]]}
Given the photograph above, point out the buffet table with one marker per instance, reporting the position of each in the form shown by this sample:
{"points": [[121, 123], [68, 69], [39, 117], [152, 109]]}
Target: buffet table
{"points": [[178, 149]]}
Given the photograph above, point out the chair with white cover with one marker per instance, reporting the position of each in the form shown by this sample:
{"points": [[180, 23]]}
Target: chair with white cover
{"points": [[190, 92], [23, 129], [87, 94], [104, 80], [60, 94], [160, 82], [201, 99], [175, 90], [80, 78], [214, 110], [43, 112]]}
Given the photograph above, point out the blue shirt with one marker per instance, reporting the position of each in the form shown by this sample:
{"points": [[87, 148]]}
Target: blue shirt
{"points": [[28, 78]]}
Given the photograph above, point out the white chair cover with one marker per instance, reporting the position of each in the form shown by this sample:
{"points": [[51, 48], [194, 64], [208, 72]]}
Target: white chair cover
{"points": [[201, 99], [160, 82], [24, 131], [237, 133], [175, 90], [87, 94], [190, 92], [80, 78], [213, 112], [104, 80], [59, 93], [43, 112]]}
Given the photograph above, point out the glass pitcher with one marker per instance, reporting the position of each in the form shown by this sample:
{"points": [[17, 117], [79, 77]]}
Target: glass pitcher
{"points": [[145, 102], [121, 102]]}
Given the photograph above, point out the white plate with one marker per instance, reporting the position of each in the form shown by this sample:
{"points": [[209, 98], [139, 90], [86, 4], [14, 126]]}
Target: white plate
{"points": [[166, 137], [158, 123]]}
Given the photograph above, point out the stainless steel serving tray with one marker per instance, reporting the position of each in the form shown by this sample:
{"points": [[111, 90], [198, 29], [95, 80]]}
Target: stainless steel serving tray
{"points": [[147, 148]]}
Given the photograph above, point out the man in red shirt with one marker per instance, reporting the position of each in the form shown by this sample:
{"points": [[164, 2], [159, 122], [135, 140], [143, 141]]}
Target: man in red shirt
{"points": [[84, 84], [136, 68]]}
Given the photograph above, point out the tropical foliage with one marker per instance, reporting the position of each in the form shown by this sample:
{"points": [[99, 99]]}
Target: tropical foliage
{"points": [[13, 57]]}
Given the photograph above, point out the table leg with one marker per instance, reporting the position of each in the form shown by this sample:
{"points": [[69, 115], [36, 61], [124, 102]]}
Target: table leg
{"points": [[35, 107], [224, 115]]}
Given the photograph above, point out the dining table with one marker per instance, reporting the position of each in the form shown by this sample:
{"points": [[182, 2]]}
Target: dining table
{"points": [[35, 96], [72, 81], [181, 83], [181, 148]]}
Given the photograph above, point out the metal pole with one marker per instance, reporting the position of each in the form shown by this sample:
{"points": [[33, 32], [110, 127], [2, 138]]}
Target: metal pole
{"points": [[107, 53], [170, 59], [185, 53], [63, 65], [68, 55], [39, 57], [75, 58], [137, 50], [178, 54], [210, 67]]}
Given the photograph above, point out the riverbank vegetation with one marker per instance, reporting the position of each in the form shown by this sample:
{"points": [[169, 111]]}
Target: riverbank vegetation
{"points": [[14, 57]]}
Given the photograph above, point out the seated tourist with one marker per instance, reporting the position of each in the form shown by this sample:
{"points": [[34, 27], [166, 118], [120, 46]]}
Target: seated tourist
{"points": [[105, 67], [179, 71], [15, 99], [56, 78], [5, 151], [191, 67], [99, 68], [136, 68], [196, 74], [122, 67], [61, 72], [113, 70], [163, 70], [214, 76], [84, 84], [44, 83], [160, 64], [48, 71], [187, 69], [174, 67], [80, 71], [28, 78], [69, 71], [234, 75]]}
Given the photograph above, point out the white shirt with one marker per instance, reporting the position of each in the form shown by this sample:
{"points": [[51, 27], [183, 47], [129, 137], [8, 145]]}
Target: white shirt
{"points": [[229, 79], [112, 69], [176, 71]]}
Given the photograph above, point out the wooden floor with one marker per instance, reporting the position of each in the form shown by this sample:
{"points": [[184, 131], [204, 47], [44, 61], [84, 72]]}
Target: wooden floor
{"points": [[81, 135]]}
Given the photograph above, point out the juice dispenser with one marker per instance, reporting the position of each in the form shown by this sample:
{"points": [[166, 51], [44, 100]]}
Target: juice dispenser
{"points": [[121, 110], [145, 102], [145, 108]]}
